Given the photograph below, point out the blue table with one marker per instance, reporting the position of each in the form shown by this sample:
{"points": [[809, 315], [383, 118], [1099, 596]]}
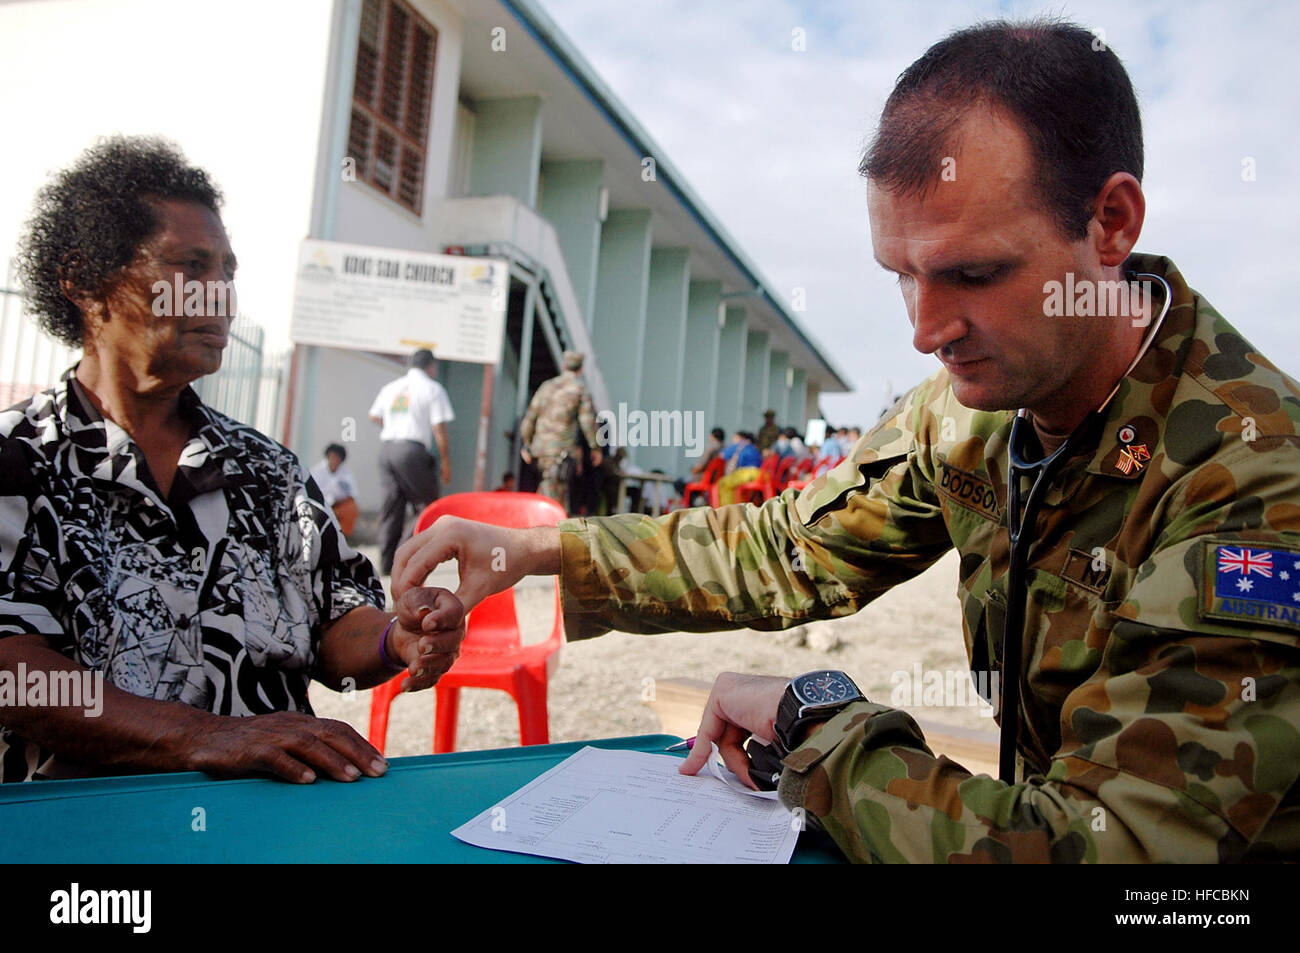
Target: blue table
{"points": [[404, 817]]}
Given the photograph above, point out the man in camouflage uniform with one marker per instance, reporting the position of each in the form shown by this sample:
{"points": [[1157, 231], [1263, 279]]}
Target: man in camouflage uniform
{"points": [[1159, 693], [550, 428]]}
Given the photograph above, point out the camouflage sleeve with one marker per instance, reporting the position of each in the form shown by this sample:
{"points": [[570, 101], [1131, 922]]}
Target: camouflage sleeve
{"points": [[587, 419], [1184, 747], [869, 524]]}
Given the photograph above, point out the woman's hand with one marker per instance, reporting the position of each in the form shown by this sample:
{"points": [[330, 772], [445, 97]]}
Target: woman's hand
{"points": [[427, 635]]}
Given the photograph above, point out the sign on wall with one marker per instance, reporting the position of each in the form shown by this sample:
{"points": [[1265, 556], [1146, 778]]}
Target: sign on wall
{"points": [[386, 299]]}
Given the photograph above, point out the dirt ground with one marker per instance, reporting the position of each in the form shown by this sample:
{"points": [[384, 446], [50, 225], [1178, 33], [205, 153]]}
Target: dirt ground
{"points": [[597, 690]]}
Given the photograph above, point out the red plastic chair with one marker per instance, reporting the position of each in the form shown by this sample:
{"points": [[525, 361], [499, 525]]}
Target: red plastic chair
{"points": [[706, 485], [491, 655], [784, 471], [756, 491], [823, 467]]}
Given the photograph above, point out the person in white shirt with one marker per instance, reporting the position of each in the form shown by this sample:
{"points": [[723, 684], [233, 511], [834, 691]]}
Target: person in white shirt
{"points": [[337, 486], [333, 476], [413, 411]]}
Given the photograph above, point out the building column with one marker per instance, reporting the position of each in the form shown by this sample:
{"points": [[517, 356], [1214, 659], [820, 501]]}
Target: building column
{"points": [[812, 407], [758, 345], [700, 364], [661, 357], [731, 370], [507, 148], [777, 388], [571, 201], [618, 319], [796, 407]]}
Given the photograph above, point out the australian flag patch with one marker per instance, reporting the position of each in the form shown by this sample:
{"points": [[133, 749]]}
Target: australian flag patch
{"points": [[1257, 585]]}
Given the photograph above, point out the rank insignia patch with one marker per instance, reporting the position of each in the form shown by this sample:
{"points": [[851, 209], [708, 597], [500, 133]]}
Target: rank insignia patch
{"points": [[1253, 584]]}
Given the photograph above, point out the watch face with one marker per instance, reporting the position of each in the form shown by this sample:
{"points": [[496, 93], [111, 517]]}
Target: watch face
{"points": [[823, 688]]}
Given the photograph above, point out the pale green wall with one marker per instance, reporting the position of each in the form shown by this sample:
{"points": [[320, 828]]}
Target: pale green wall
{"points": [[507, 148]]}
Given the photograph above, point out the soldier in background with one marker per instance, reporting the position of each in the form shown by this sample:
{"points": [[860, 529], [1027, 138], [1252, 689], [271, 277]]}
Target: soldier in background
{"points": [[560, 407], [769, 432]]}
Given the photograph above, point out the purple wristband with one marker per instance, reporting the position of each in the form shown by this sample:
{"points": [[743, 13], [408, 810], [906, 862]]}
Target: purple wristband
{"points": [[383, 651]]}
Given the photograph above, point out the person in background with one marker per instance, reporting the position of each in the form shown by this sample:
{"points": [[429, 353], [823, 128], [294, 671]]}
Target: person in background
{"points": [[412, 412], [798, 449], [830, 448], [743, 464], [768, 433], [711, 450], [559, 409], [337, 486], [507, 483]]}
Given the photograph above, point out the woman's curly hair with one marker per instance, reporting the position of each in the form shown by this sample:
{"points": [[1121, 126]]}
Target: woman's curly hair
{"points": [[90, 219]]}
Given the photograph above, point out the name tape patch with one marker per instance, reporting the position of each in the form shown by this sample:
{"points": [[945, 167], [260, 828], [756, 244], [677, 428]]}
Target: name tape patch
{"points": [[1251, 584], [968, 490]]}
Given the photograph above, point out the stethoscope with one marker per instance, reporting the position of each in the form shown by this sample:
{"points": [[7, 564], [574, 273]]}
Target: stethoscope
{"points": [[1041, 473]]}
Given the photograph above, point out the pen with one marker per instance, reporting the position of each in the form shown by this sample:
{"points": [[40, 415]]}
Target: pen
{"points": [[686, 745]]}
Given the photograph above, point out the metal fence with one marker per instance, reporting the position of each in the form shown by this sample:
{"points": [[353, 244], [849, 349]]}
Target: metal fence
{"points": [[30, 360], [248, 387], [236, 389]]}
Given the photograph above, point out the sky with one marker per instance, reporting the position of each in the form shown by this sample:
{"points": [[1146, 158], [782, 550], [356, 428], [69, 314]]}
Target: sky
{"points": [[769, 137]]}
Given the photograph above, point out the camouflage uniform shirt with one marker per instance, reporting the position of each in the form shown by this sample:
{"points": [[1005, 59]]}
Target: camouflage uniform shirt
{"points": [[1161, 683], [550, 428]]}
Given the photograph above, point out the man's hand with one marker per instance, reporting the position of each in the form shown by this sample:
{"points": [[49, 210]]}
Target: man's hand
{"points": [[427, 635], [738, 706], [445, 473], [528, 457], [596, 457], [491, 558], [288, 744]]}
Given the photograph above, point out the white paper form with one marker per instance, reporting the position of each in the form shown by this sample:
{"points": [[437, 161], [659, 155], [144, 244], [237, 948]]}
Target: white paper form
{"points": [[628, 807]]}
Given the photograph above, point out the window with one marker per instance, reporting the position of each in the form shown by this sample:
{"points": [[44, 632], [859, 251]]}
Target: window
{"points": [[391, 97]]}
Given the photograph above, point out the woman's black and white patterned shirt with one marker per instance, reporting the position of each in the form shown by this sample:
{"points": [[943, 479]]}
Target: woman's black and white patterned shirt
{"points": [[214, 596]]}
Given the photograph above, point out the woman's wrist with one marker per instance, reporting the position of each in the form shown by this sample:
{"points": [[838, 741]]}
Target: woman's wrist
{"points": [[390, 662]]}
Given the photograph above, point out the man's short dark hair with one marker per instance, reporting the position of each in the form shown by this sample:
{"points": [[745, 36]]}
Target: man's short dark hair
{"points": [[1067, 90], [423, 359], [719, 434], [88, 222], [337, 448]]}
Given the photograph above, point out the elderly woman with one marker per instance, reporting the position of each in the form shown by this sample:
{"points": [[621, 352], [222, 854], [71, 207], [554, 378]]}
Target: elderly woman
{"points": [[184, 557]]}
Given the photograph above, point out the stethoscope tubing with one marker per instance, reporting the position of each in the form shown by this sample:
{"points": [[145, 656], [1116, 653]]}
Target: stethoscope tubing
{"points": [[1042, 472]]}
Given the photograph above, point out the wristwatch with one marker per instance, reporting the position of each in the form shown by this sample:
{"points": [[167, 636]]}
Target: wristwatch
{"points": [[812, 697]]}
